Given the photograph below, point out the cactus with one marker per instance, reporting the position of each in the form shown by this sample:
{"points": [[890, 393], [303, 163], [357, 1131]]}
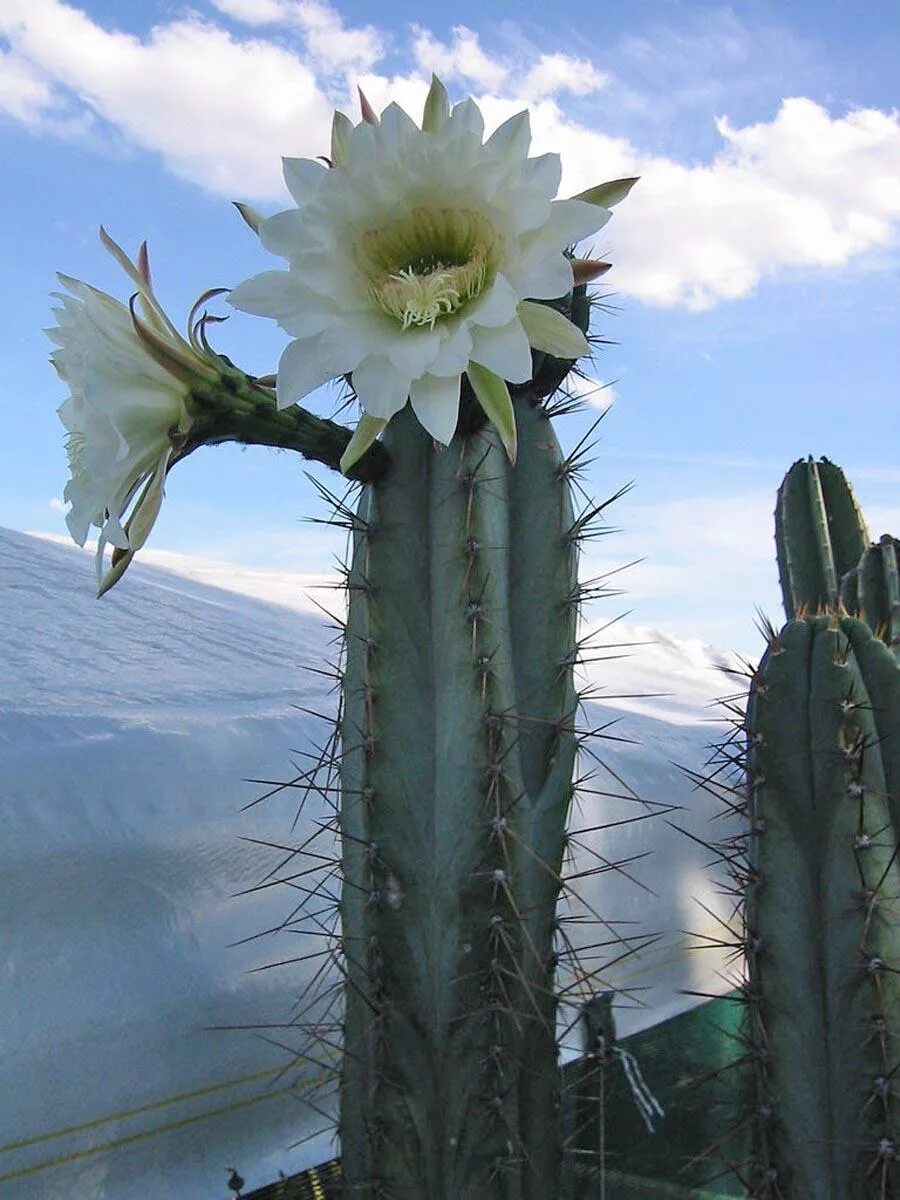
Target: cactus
{"points": [[813, 767], [872, 590], [823, 989], [456, 777], [820, 534]]}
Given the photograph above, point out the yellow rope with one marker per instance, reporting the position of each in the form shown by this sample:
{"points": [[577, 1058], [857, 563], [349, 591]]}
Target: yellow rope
{"points": [[136, 1137], [133, 1112], [318, 1192]]}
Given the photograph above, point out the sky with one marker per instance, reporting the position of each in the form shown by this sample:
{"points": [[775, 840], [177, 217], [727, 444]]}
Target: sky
{"points": [[752, 305]]}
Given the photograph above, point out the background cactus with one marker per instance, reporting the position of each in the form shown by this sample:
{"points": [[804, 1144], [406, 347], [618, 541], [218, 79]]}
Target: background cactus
{"points": [[820, 534], [872, 590], [823, 1004], [816, 872]]}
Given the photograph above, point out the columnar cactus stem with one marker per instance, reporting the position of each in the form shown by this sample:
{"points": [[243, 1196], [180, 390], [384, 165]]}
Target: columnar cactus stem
{"points": [[823, 950], [872, 590], [819, 534], [456, 779]]}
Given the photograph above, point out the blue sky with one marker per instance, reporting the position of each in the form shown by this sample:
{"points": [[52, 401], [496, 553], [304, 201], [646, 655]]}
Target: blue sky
{"points": [[756, 263]]}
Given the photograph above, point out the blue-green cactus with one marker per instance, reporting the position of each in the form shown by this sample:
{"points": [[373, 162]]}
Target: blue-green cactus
{"points": [[820, 534], [823, 989], [872, 590], [456, 779]]}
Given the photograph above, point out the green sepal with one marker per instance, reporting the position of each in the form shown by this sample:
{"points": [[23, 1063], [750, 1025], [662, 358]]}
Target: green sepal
{"points": [[364, 435], [492, 394], [341, 129], [607, 195], [550, 331], [437, 106]]}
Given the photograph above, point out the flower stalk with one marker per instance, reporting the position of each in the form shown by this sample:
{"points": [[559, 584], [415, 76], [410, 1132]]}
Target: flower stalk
{"points": [[236, 408]]}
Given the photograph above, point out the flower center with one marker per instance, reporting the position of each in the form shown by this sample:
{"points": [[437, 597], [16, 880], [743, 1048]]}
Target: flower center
{"points": [[429, 265]]}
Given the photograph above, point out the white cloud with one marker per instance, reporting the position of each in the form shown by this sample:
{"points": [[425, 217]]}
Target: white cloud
{"points": [[559, 73], [220, 111], [253, 12], [463, 58], [24, 94], [57, 505], [331, 45], [706, 562], [598, 394], [805, 190]]}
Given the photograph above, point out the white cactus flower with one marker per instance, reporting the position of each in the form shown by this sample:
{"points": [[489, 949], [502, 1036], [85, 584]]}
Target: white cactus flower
{"points": [[129, 381], [417, 257]]}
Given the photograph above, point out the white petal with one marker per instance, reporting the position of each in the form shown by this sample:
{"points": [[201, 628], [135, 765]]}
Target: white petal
{"points": [[381, 388], [569, 221], [412, 350], [302, 369], [435, 401], [456, 346], [466, 116], [280, 295], [114, 533], [286, 233], [496, 306], [526, 208], [543, 174], [541, 276], [303, 176], [504, 351], [396, 128], [79, 521], [511, 139]]}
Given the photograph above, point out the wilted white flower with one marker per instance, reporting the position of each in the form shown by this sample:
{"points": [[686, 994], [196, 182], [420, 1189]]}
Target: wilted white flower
{"points": [[418, 257], [129, 379]]}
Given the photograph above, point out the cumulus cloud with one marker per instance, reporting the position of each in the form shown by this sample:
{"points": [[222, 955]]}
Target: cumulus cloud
{"points": [[595, 392], [554, 73], [462, 59], [807, 189], [24, 94], [328, 42], [217, 109]]}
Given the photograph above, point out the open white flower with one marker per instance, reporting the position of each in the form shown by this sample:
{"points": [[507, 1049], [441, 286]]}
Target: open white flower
{"points": [[129, 381], [416, 258]]}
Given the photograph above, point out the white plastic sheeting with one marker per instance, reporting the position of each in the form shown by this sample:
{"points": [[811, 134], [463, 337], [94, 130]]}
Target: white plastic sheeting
{"points": [[126, 729]]}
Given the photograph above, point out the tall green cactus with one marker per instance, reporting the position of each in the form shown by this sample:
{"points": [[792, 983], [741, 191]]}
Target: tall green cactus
{"points": [[872, 589], [820, 534], [822, 936], [456, 778]]}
